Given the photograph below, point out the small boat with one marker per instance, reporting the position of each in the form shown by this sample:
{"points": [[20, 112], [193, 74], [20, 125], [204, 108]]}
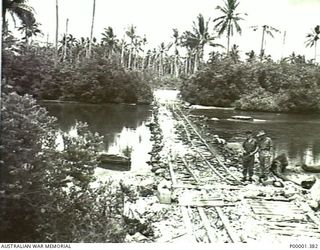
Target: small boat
{"points": [[311, 168], [114, 162]]}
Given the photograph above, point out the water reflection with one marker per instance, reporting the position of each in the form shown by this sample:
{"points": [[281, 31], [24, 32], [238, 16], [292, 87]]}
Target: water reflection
{"points": [[122, 125], [297, 135]]}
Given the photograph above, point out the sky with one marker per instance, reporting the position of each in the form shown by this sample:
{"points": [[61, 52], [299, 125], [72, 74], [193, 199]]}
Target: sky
{"points": [[156, 18]]}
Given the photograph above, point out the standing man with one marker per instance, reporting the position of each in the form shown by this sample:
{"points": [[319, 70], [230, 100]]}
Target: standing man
{"points": [[250, 147], [265, 154]]}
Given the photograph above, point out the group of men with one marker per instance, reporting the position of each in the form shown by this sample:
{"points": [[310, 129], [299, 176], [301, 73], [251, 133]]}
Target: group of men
{"points": [[261, 144]]}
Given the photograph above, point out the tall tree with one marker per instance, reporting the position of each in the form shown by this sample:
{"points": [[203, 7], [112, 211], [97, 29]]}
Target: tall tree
{"points": [[29, 31], [17, 8], [110, 40], [131, 33], [266, 30], [176, 42], [163, 49], [57, 33], [312, 39], [65, 44], [196, 40], [92, 25], [229, 20]]}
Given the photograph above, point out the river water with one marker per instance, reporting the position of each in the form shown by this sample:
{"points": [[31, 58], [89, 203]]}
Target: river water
{"points": [[124, 128], [297, 135], [122, 125]]}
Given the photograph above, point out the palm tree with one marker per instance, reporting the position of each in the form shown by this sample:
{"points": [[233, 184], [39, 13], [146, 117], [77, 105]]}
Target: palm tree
{"points": [[176, 43], [266, 30], [234, 53], [92, 24], [201, 30], [312, 40], [196, 40], [131, 33], [123, 45], [17, 8], [110, 39], [163, 49], [251, 56], [29, 31], [228, 20]]}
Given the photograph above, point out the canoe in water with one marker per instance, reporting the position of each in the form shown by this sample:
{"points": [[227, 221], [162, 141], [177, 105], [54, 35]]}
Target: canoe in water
{"points": [[114, 162], [312, 169]]}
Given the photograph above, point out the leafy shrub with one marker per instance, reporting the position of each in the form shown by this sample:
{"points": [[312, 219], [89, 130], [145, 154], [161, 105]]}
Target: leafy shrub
{"points": [[46, 192], [219, 84]]}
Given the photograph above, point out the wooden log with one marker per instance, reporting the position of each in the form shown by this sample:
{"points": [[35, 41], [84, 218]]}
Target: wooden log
{"points": [[208, 187], [295, 233], [231, 232], [294, 225], [210, 232], [190, 170], [187, 224], [309, 230], [269, 198], [277, 208], [206, 204]]}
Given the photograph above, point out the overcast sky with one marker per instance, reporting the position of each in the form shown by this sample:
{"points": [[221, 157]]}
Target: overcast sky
{"points": [[157, 18]]}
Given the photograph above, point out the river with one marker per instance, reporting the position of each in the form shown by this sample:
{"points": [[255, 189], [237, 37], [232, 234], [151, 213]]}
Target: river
{"points": [[124, 128], [122, 125], [297, 135]]}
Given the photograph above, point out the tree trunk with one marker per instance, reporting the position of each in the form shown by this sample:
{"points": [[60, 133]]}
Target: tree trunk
{"points": [[57, 32], [228, 37], [176, 66], [186, 66], [262, 41], [315, 51], [129, 59], [122, 54], [47, 43], [4, 25], [65, 41], [195, 68], [92, 24]]}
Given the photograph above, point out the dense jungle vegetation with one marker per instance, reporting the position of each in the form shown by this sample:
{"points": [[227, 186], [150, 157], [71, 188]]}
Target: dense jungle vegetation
{"points": [[46, 194], [291, 85]]}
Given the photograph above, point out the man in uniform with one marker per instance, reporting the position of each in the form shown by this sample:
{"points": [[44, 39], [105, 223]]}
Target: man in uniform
{"points": [[265, 154], [250, 147]]}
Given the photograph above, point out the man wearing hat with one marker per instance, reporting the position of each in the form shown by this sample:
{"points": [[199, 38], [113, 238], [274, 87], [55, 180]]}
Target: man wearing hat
{"points": [[250, 147], [265, 154]]}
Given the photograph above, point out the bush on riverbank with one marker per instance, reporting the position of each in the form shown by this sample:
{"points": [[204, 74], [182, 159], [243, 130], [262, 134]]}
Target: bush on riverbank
{"points": [[264, 86], [47, 194], [93, 80]]}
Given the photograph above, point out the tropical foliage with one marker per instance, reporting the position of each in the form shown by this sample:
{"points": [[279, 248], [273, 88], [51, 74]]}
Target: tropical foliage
{"points": [[266, 30], [256, 85], [46, 191], [19, 9], [93, 80], [229, 19], [312, 40]]}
